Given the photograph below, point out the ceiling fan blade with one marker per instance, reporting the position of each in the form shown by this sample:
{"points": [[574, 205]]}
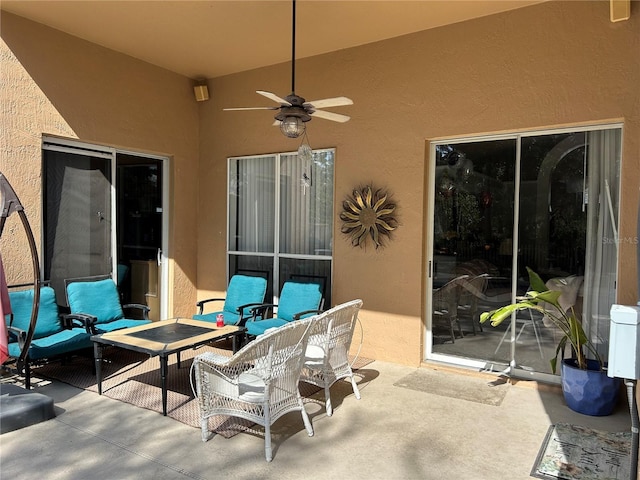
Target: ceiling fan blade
{"points": [[272, 96], [336, 117], [251, 108], [331, 102]]}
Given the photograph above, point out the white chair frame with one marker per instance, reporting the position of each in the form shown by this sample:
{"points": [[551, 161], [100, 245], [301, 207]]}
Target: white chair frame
{"points": [[258, 383], [327, 355]]}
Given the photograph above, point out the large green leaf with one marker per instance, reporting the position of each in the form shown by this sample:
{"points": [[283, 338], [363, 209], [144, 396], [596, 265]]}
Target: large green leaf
{"points": [[535, 282], [496, 317]]}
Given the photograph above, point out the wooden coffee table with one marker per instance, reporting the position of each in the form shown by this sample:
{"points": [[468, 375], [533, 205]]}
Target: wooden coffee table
{"points": [[162, 339]]}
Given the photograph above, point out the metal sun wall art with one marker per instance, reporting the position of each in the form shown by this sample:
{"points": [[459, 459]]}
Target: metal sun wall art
{"points": [[368, 213]]}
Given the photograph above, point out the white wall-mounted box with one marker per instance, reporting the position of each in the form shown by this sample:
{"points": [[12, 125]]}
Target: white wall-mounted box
{"points": [[624, 341]]}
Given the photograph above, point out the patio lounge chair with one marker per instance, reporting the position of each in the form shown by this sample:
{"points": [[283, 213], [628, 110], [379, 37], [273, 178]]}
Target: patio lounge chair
{"points": [[445, 306], [258, 383], [298, 299], [244, 292], [96, 300], [53, 336], [327, 354]]}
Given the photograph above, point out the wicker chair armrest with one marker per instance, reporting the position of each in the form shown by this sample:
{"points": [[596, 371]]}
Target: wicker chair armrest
{"points": [[83, 320], [138, 306], [214, 359], [201, 303]]}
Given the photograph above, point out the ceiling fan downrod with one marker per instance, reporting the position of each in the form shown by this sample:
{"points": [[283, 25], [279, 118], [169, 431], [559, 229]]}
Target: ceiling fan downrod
{"points": [[293, 49]]}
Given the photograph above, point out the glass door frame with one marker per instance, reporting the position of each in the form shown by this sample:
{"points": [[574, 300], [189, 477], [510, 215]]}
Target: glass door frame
{"points": [[110, 154], [479, 364]]}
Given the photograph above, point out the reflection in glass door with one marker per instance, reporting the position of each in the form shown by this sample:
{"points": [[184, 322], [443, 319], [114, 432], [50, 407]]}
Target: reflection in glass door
{"points": [[472, 245], [504, 204]]}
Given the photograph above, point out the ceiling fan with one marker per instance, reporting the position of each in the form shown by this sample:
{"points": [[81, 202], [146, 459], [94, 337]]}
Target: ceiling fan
{"points": [[295, 111]]}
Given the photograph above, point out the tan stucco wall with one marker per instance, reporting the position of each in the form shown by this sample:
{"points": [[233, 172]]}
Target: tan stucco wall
{"points": [[558, 63], [53, 83]]}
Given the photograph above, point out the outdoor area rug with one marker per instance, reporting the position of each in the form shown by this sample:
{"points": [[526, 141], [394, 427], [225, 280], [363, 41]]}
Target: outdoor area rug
{"points": [[134, 378], [573, 452], [463, 387]]}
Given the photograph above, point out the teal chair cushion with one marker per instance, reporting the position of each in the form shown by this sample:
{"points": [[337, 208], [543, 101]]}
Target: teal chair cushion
{"points": [[120, 324], [294, 298], [259, 327], [242, 290], [48, 321], [298, 297], [98, 298], [62, 342]]}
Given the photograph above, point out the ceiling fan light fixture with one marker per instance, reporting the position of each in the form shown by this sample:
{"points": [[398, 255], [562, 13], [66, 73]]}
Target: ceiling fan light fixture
{"points": [[292, 127], [294, 110]]}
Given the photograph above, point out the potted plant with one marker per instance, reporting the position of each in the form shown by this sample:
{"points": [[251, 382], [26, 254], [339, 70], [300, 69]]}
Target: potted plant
{"points": [[585, 384]]}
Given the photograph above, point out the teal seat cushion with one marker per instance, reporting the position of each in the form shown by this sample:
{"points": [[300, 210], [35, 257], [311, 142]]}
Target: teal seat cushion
{"points": [[62, 342], [295, 298], [98, 298], [119, 324], [242, 290], [48, 321], [260, 326], [298, 297]]}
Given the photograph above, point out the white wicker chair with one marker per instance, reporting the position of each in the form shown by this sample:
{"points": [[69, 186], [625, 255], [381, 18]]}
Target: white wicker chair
{"points": [[327, 355], [258, 383]]}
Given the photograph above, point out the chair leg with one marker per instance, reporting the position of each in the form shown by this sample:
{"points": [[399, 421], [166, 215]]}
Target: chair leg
{"points": [[459, 328], [204, 426], [356, 391], [267, 434], [305, 417], [27, 375], [327, 400]]}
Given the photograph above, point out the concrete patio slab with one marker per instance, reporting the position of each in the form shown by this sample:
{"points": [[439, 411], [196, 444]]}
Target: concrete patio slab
{"points": [[391, 433]]}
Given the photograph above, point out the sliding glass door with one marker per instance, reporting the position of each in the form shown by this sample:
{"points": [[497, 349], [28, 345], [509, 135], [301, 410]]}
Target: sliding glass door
{"points": [[104, 215], [77, 214], [547, 201]]}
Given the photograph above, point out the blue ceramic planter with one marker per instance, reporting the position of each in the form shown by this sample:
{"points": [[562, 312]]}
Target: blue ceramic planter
{"points": [[590, 391]]}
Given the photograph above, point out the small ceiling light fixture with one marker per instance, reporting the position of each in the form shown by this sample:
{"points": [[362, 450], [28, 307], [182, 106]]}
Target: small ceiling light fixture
{"points": [[291, 126], [295, 111]]}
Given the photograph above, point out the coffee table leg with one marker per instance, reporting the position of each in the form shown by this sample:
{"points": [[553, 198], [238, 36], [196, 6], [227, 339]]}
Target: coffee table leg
{"points": [[97, 355], [163, 381]]}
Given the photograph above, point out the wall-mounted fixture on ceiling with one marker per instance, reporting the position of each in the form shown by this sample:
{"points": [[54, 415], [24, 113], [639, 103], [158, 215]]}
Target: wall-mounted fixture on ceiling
{"points": [[295, 111], [201, 91], [619, 10]]}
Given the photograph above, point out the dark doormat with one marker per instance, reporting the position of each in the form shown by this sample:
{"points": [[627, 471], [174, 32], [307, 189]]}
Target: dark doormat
{"points": [[463, 387]]}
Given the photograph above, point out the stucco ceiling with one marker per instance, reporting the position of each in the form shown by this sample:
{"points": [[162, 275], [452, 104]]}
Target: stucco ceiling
{"points": [[214, 38]]}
